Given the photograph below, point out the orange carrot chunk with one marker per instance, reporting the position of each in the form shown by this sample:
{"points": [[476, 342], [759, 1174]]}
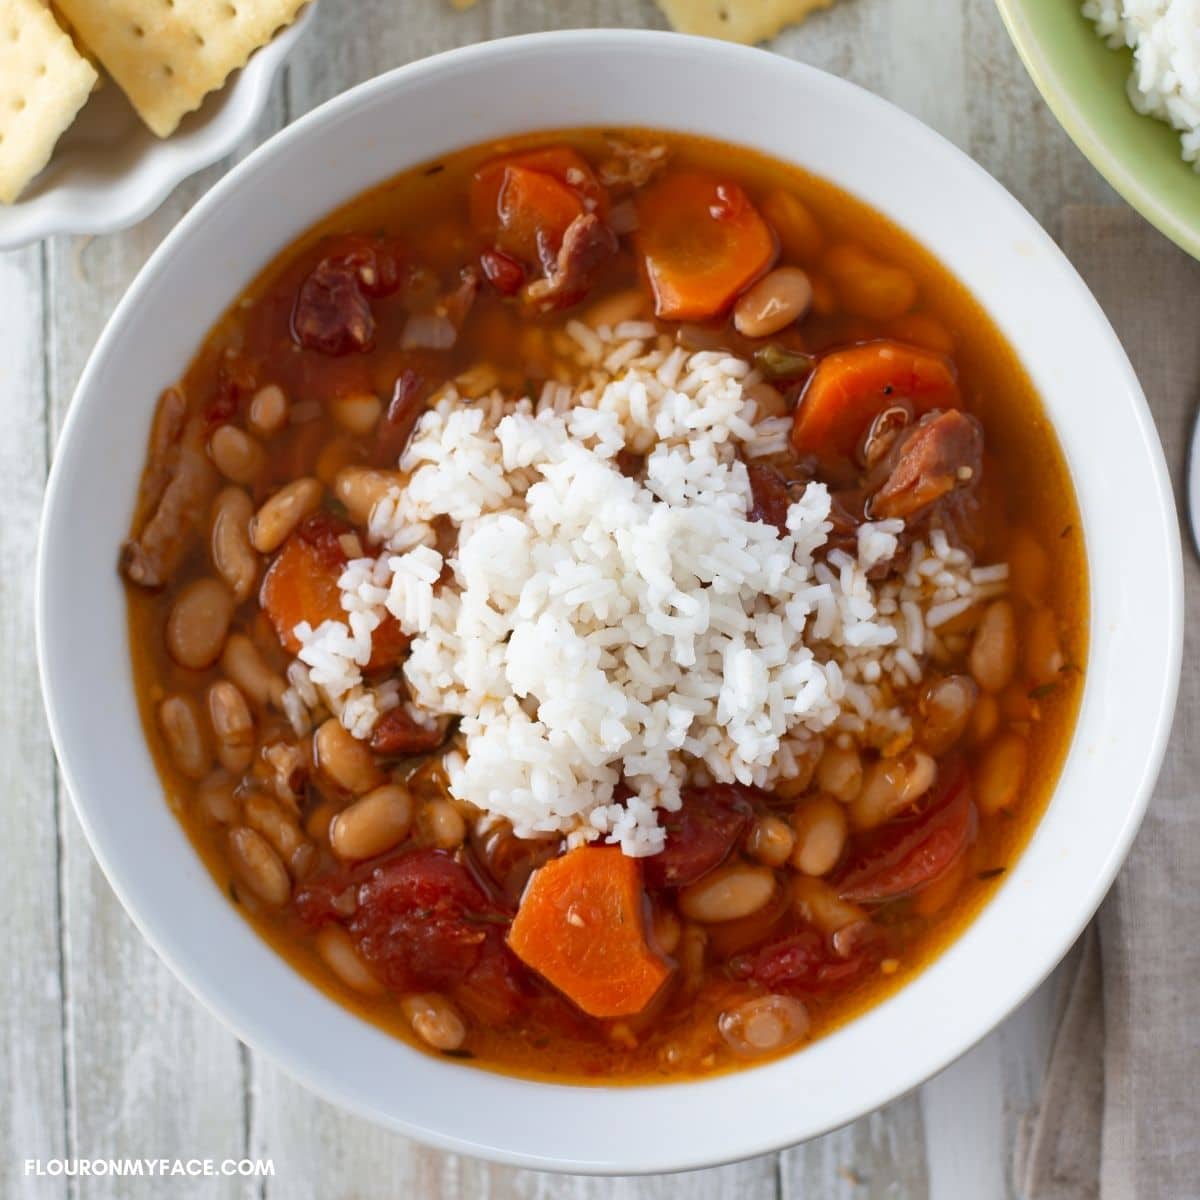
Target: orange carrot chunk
{"points": [[560, 162], [580, 927], [702, 242], [534, 212], [301, 585], [850, 388]]}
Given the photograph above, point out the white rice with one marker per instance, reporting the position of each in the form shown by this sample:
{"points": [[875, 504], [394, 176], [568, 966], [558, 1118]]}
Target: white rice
{"points": [[593, 628], [1165, 38]]}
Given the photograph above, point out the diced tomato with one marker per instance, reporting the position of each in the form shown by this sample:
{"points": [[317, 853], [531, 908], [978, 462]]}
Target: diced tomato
{"points": [[332, 313], [403, 412], [396, 732], [851, 387], [494, 988], [508, 860], [423, 922], [505, 274], [376, 261], [905, 857], [328, 897], [702, 241], [770, 493], [236, 380], [389, 646], [700, 835], [801, 962]]}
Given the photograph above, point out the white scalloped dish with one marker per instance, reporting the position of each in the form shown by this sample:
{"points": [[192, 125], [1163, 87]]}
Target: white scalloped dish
{"points": [[109, 171]]}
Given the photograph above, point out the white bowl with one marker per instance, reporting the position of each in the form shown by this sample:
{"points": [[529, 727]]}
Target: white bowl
{"points": [[109, 171], [616, 79]]}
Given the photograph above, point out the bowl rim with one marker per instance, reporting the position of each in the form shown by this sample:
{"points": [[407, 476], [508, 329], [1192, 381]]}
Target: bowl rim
{"points": [[1089, 134], [91, 210], [958, 1033]]}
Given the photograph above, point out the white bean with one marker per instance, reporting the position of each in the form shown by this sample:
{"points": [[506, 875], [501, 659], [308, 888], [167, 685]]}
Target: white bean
{"points": [[257, 866], [268, 413], [727, 894], [357, 413], [993, 655], [337, 951], [242, 662], [1000, 773], [198, 623], [840, 773], [237, 455], [372, 825], [774, 302], [279, 515], [229, 543], [443, 825], [946, 706], [233, 724], [179, 720], [763, 1025], [820, 829], [890, 786], [361, 488], [771, 841], [814, 901], [344, 759], [435, 1021]]}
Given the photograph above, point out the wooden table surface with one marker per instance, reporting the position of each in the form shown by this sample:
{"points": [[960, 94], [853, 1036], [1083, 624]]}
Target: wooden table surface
{"points": [[105, 1053]]}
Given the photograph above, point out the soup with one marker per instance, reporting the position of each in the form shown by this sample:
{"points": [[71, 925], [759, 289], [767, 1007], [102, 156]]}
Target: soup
{"points": [[607, 607]]}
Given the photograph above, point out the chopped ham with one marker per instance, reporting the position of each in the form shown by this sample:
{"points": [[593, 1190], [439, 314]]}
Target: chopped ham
{"points": [[587, 242], [176, 490], [941, 453]]}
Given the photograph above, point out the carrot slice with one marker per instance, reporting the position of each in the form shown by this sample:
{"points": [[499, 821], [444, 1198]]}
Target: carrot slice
{"points": [[580, 927], [302, 585], [534, 211], [559, 162], [701, 241], [850, 388]]}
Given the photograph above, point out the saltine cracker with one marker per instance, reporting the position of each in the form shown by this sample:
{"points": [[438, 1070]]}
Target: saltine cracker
{"points": [[44, 82], [746, 21], [167, 55]]}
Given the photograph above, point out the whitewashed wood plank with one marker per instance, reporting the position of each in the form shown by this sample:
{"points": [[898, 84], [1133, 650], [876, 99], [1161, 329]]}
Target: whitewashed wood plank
{"points": [[150, 1073], [755, 1179], [1011, 131], [975, 1110], [965, 1126], [350, 43], [32, 1124], [880, 1157], [322, 1153]]}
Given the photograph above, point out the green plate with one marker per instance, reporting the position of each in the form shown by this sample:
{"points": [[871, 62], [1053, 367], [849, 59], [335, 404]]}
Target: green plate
{"points": [[1083, 81]]}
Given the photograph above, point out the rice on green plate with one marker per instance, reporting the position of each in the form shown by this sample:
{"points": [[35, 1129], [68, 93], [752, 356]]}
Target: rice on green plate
{"points": [[1164, 36]]}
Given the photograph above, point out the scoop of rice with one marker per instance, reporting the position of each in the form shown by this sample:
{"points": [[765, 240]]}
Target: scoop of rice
{"points": [[1164, 36], [593, 628]]}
